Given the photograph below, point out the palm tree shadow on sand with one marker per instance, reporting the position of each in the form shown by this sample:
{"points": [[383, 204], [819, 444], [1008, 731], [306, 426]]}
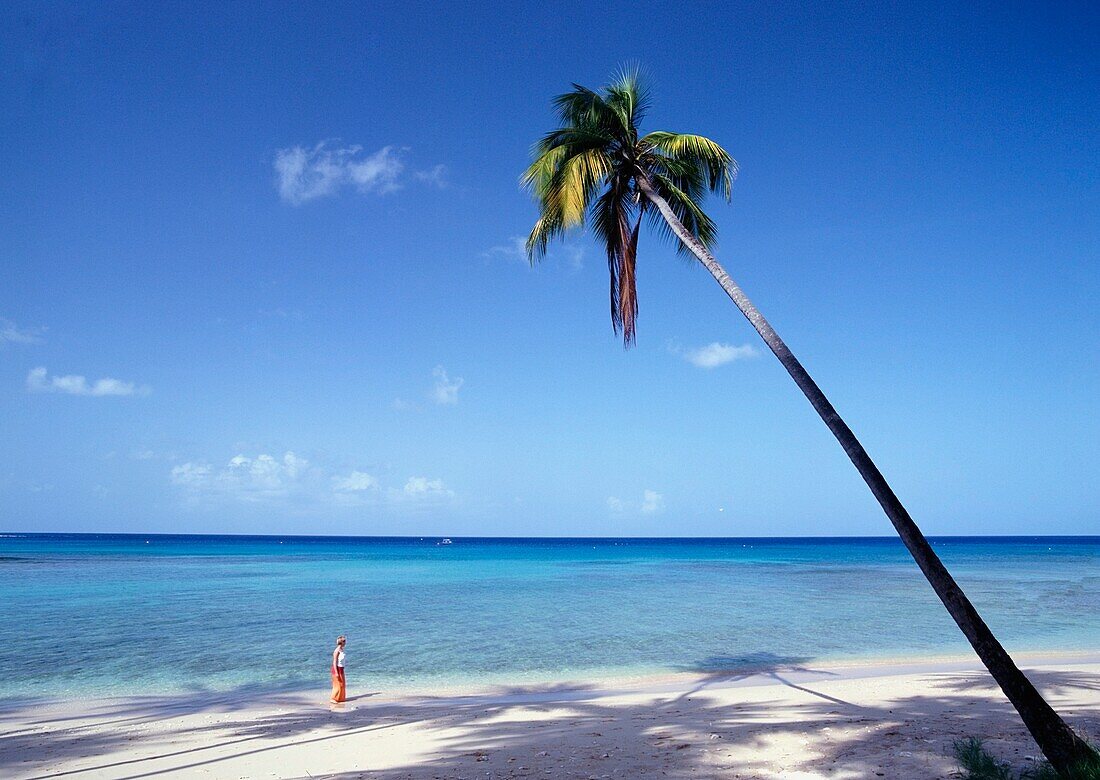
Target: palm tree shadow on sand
{"points": [[577, 731], [767, 667]]}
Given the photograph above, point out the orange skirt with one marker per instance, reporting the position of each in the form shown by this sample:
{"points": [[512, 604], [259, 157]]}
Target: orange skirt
{"points": [[339, 685]]}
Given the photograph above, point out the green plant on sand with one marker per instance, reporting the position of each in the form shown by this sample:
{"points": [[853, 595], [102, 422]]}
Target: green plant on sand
{"points": [[597, 167], [979, 764]]}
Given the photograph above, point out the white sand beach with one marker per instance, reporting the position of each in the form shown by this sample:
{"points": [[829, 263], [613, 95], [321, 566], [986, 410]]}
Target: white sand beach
{"points": [[888, 720]]}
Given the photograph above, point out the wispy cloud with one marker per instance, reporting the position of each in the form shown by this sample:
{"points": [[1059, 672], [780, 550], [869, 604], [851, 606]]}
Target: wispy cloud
{"points": [[652, 503], [435, 176], [355, 482], [146, 453], [445, 390], [715, 354], [11, 334], [291, 313], [291, 479], [422, 487], [261, 478], [515, 248], [305, 174], [574, 256], [196, 476], [39, 381]]}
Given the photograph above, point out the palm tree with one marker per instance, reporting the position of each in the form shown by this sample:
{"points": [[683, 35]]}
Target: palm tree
{"points": [[596, 167]]}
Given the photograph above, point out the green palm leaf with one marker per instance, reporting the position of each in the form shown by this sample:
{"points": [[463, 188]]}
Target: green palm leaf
{"points": [[590, 170]]}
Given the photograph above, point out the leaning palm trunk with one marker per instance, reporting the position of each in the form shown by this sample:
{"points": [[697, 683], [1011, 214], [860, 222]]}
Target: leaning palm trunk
{"points": [[1059, 744], [596, 164]]}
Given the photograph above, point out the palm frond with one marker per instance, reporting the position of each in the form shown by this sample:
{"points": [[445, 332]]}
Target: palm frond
{"points": [[688, 211], [541, 171], [611, 216], [553, 151], [589, 167], [546, 229], [576, 183], [583, 107], [575, 138], [629, 97], [628, 285], [720, 167], [563, 181], [687, 175]]}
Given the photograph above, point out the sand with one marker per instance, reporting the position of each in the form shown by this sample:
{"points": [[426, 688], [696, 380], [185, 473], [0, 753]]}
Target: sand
{"points": [[894, 721]]}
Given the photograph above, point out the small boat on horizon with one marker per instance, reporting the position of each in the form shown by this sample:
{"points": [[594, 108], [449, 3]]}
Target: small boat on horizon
{"points": [[446, 541]]}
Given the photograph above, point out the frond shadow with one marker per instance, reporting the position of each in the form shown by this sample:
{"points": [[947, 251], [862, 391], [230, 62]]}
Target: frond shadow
{"points": [[567, 731]]}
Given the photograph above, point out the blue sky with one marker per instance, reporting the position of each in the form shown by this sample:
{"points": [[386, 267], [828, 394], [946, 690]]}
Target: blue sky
{"points": [[278, 242]]}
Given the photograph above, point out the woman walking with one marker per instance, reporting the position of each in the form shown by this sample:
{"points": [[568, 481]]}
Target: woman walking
{"points": [[339, 684]]}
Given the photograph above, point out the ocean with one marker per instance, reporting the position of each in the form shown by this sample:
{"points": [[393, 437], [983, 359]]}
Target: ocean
{"points": [[96, 615]]}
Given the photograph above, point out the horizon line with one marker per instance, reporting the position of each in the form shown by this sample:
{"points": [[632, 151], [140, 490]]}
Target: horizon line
{"points": [[16, 534]]}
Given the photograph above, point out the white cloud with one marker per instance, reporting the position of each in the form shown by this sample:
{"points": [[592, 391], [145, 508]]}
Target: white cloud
{"points": [[355, 482], [515, 248], [149, 454], [422, 487], [306, 174], [436, 176], [652, 502], [574, 256], [192, 475], [378, 172], [249, 479], [290, 479], [445, 391], [716, 354], [39, 381], [10, 334]]}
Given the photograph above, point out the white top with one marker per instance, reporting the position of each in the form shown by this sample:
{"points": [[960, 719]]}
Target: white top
{"points": [[340, 659]]}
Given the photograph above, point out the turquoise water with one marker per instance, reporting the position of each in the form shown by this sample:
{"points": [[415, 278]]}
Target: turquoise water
{"points": [[108, 614]]}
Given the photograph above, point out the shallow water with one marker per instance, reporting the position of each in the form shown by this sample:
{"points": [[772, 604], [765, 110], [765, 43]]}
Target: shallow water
{"points": [[109, 614]]}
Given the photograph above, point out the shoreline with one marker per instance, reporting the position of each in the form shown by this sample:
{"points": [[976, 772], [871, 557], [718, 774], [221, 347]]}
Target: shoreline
{"points": [[10, 534], [781, 720], [747, 672]]}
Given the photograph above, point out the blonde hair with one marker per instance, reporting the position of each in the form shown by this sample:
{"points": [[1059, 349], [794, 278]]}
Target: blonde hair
{"points": [[341, 639]]}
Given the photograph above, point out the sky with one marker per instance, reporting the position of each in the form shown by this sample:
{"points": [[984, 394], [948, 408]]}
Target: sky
{"points": [[260, 271]]}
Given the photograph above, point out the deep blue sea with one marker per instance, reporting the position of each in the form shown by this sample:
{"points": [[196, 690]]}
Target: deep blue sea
{"points": [[114, 614]]}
